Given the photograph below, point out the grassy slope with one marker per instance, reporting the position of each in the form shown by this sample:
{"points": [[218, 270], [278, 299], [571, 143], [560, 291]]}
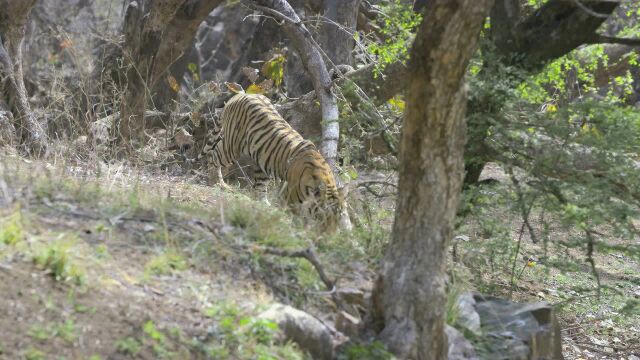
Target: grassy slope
{"points": [[129, 264]]}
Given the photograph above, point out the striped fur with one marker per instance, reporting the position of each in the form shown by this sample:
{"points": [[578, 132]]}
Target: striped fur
{"points": [[250, 125]]}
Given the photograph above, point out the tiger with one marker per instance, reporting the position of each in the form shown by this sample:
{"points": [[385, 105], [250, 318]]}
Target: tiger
{"points": [[251, 125]]}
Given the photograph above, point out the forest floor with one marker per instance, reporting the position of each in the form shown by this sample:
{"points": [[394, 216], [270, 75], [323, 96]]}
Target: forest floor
{"points": [[109, 262]]}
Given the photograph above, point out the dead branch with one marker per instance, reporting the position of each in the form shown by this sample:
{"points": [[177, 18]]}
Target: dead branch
{"points": [[12, 29], [603, 39], [314, 62], [308, 254]]}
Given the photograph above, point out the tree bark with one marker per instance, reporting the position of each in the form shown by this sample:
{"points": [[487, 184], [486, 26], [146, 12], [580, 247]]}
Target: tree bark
{"points": [[13, 19], [313, 61], [157, 33], [410, 296], [339, 20]]}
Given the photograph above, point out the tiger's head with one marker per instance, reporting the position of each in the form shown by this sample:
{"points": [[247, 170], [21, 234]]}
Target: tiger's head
{"points": [[312, 190]]}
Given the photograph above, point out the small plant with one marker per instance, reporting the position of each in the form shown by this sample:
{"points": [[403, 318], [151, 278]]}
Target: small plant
{"points": [[128, 346], [371, 351], [56, 258], [153, 333], [39, 332], [165, 264], [66, 331], [239, 335], [11, 230], [34, 354]]}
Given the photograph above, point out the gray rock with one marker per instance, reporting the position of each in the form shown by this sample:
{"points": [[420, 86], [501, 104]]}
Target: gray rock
{"points": [[305, 330], [519, 331], [459, 347], [468, 317], [348, 324]]}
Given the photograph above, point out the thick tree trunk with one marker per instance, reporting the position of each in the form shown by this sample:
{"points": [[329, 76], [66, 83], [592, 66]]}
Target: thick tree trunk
{"points": [[339, 19], [13, 19], [410, 294], [157, 33]]}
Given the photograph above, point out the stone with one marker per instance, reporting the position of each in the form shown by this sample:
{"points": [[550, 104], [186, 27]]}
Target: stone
{"points": [[348, 324], [308, 332], [459, 347], [467, 315], [352, 296], [519, 331]]}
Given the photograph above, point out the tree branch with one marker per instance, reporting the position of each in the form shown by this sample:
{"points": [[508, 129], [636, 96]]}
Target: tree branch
{"points": [[603, 39], [312, 59]]}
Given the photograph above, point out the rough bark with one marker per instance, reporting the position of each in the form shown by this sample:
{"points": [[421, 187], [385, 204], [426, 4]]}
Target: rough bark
{"points": [[339, 19], [13, 19], [410, 293], [313, 61], [157, 33]]}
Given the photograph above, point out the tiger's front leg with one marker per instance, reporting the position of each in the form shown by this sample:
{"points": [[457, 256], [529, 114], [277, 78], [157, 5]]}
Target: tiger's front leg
{"points": [[217, 162], [260, 184]]}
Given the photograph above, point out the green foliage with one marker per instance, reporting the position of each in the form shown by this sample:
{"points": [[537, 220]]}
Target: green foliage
{"points": [[239, 335], [57, 257], [273, 69], [373, 351], [66, 331], [165, 263], [11, 231], [128, 346], [34, 354], [149, 328], [398, 28]]}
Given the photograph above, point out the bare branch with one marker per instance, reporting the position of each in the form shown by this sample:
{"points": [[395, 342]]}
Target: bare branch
{"points": [[313, 59], [603, 39]]}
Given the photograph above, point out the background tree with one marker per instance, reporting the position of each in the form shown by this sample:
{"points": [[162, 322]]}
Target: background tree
{"points": [[411, 287], [156, 34], [13, 19]]}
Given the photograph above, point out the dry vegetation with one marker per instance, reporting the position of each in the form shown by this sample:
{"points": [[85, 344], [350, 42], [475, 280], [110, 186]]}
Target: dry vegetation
{"points": [[113, 251]]}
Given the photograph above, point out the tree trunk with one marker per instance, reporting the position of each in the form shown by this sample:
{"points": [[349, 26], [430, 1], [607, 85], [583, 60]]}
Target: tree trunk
{"points": [[410, 293], [339, 20], [157, 33], [13, 19]]}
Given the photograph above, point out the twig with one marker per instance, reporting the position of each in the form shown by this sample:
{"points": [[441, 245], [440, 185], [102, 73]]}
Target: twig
{"points": [[590, 258], [584, 8], [308, 254]]}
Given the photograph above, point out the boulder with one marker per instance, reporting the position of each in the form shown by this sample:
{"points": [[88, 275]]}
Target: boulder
{"points": [[308, 332], [518, 331], [459, 347]]}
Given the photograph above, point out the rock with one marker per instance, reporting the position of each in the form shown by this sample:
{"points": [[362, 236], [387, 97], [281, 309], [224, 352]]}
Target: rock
{"points": [[352, 296], [467, 315], [348, 324], [305, 330], [518, 331], [459, 347]]}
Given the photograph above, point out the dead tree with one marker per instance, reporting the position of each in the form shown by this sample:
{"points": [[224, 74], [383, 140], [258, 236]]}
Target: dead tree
{"points": [[314, 62], [410, 298], [13, 18], [156, 33]]}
